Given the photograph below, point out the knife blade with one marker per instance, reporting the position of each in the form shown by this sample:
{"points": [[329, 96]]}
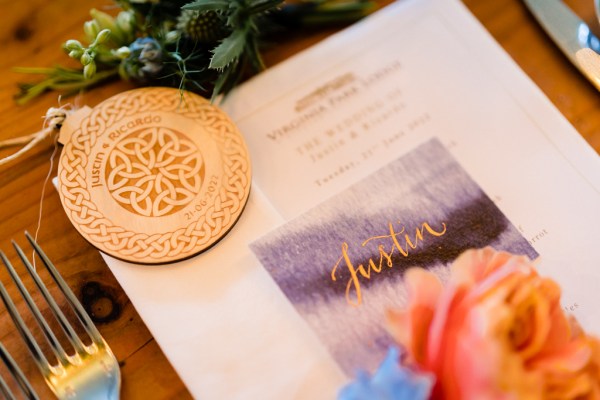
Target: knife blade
{"points": [[571, 35]]}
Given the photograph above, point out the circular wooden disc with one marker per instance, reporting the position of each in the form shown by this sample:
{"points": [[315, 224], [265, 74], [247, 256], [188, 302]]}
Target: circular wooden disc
{"points": [[152, 177]]}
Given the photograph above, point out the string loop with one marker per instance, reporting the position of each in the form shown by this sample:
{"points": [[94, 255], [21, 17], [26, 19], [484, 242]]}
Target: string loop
{"points": [[53, 120]]}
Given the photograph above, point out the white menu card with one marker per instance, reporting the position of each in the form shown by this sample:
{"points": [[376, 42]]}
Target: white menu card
{"points": [[318, 123]]}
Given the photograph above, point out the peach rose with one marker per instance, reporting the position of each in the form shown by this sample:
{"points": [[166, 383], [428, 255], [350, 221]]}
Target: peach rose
{"points": [[496, 331]]}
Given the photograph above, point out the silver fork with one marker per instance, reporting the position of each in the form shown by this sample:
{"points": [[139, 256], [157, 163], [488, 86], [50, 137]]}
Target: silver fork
{"points": [[92, 371], [18, 377]]}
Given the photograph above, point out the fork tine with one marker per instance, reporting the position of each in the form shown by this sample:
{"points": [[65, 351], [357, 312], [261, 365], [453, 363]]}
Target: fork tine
{"points": [[91, 373], [5, 390], [52, 340], [82, 315], [60, 317], [16, 372], [32, 345]]}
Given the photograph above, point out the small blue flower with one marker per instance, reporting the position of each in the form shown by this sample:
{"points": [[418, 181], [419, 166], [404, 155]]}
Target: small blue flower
{"points": [[145, 59], [392, 381]]}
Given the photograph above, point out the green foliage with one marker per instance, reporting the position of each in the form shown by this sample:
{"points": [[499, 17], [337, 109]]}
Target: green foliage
{"points": [[208, 5], [206, 46], [68, 81], [229, 50]]}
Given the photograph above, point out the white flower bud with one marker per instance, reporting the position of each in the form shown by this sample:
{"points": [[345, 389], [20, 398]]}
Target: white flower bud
{"points": [[171, 36], [86, 58], [125, 21], [89, 70], [91, 29], [104, 20], [73, 45], [76, 54], [122, 52], [102, 36]]}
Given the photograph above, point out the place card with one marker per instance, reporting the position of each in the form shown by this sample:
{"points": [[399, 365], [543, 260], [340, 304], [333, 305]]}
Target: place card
{"points": [[342, 263], [153, 175]]}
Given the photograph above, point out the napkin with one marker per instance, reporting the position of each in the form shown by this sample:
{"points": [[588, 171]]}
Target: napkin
{"points": [[221, 320]]}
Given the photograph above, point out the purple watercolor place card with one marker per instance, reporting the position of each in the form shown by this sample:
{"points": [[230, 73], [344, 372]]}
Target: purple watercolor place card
{"points": [[341, 263]]}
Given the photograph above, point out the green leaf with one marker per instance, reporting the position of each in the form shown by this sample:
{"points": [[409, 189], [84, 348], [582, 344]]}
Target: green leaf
{"points": [[263, 5], [253, 55], [207, 5], [219, 84], [226, 82], [229, 50]]}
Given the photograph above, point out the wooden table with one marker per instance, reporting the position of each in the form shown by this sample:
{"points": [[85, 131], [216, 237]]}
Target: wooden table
{"points": [[30, 35]]}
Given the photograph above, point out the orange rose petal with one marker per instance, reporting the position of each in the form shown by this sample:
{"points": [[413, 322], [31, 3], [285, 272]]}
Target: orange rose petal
{"points": [[477, 356], [465, 270], [496, 331], [423, 286], [398, 326], [594, 344], [470, 267], [500, 283], [574, 386], [530, 322], [572, 357], [410, 327], [421, 322], [551, 290], [560, 333], [438, 330], [473, 266], [494, 260], [446, 319]]}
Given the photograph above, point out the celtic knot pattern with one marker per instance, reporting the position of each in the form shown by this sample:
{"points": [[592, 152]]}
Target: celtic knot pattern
{"points": [[170, 244], [154, 172]]}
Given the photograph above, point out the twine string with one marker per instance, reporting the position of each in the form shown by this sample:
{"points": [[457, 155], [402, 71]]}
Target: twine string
{"points": [[48, 175], [53, 120]]}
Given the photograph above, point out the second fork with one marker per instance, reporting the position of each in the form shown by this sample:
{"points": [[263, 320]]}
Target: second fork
{"points": [[92, 371]]}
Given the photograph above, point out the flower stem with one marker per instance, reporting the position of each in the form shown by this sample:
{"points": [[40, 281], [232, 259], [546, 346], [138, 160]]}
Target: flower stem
{"points": [[58, 78]]}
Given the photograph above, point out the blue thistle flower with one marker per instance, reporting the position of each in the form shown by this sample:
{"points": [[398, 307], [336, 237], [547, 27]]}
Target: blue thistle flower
{"points": [[145, 60]]}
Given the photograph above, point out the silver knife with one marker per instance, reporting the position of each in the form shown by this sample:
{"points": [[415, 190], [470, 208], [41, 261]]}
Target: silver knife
{"points": [[571, 34]]}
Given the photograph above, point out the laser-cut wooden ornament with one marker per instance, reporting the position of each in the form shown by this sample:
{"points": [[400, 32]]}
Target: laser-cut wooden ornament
{"points": [[151, 177]]}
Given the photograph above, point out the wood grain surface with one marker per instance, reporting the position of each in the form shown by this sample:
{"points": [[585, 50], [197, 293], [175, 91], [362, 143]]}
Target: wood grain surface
{"points": [[30, 35]]}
